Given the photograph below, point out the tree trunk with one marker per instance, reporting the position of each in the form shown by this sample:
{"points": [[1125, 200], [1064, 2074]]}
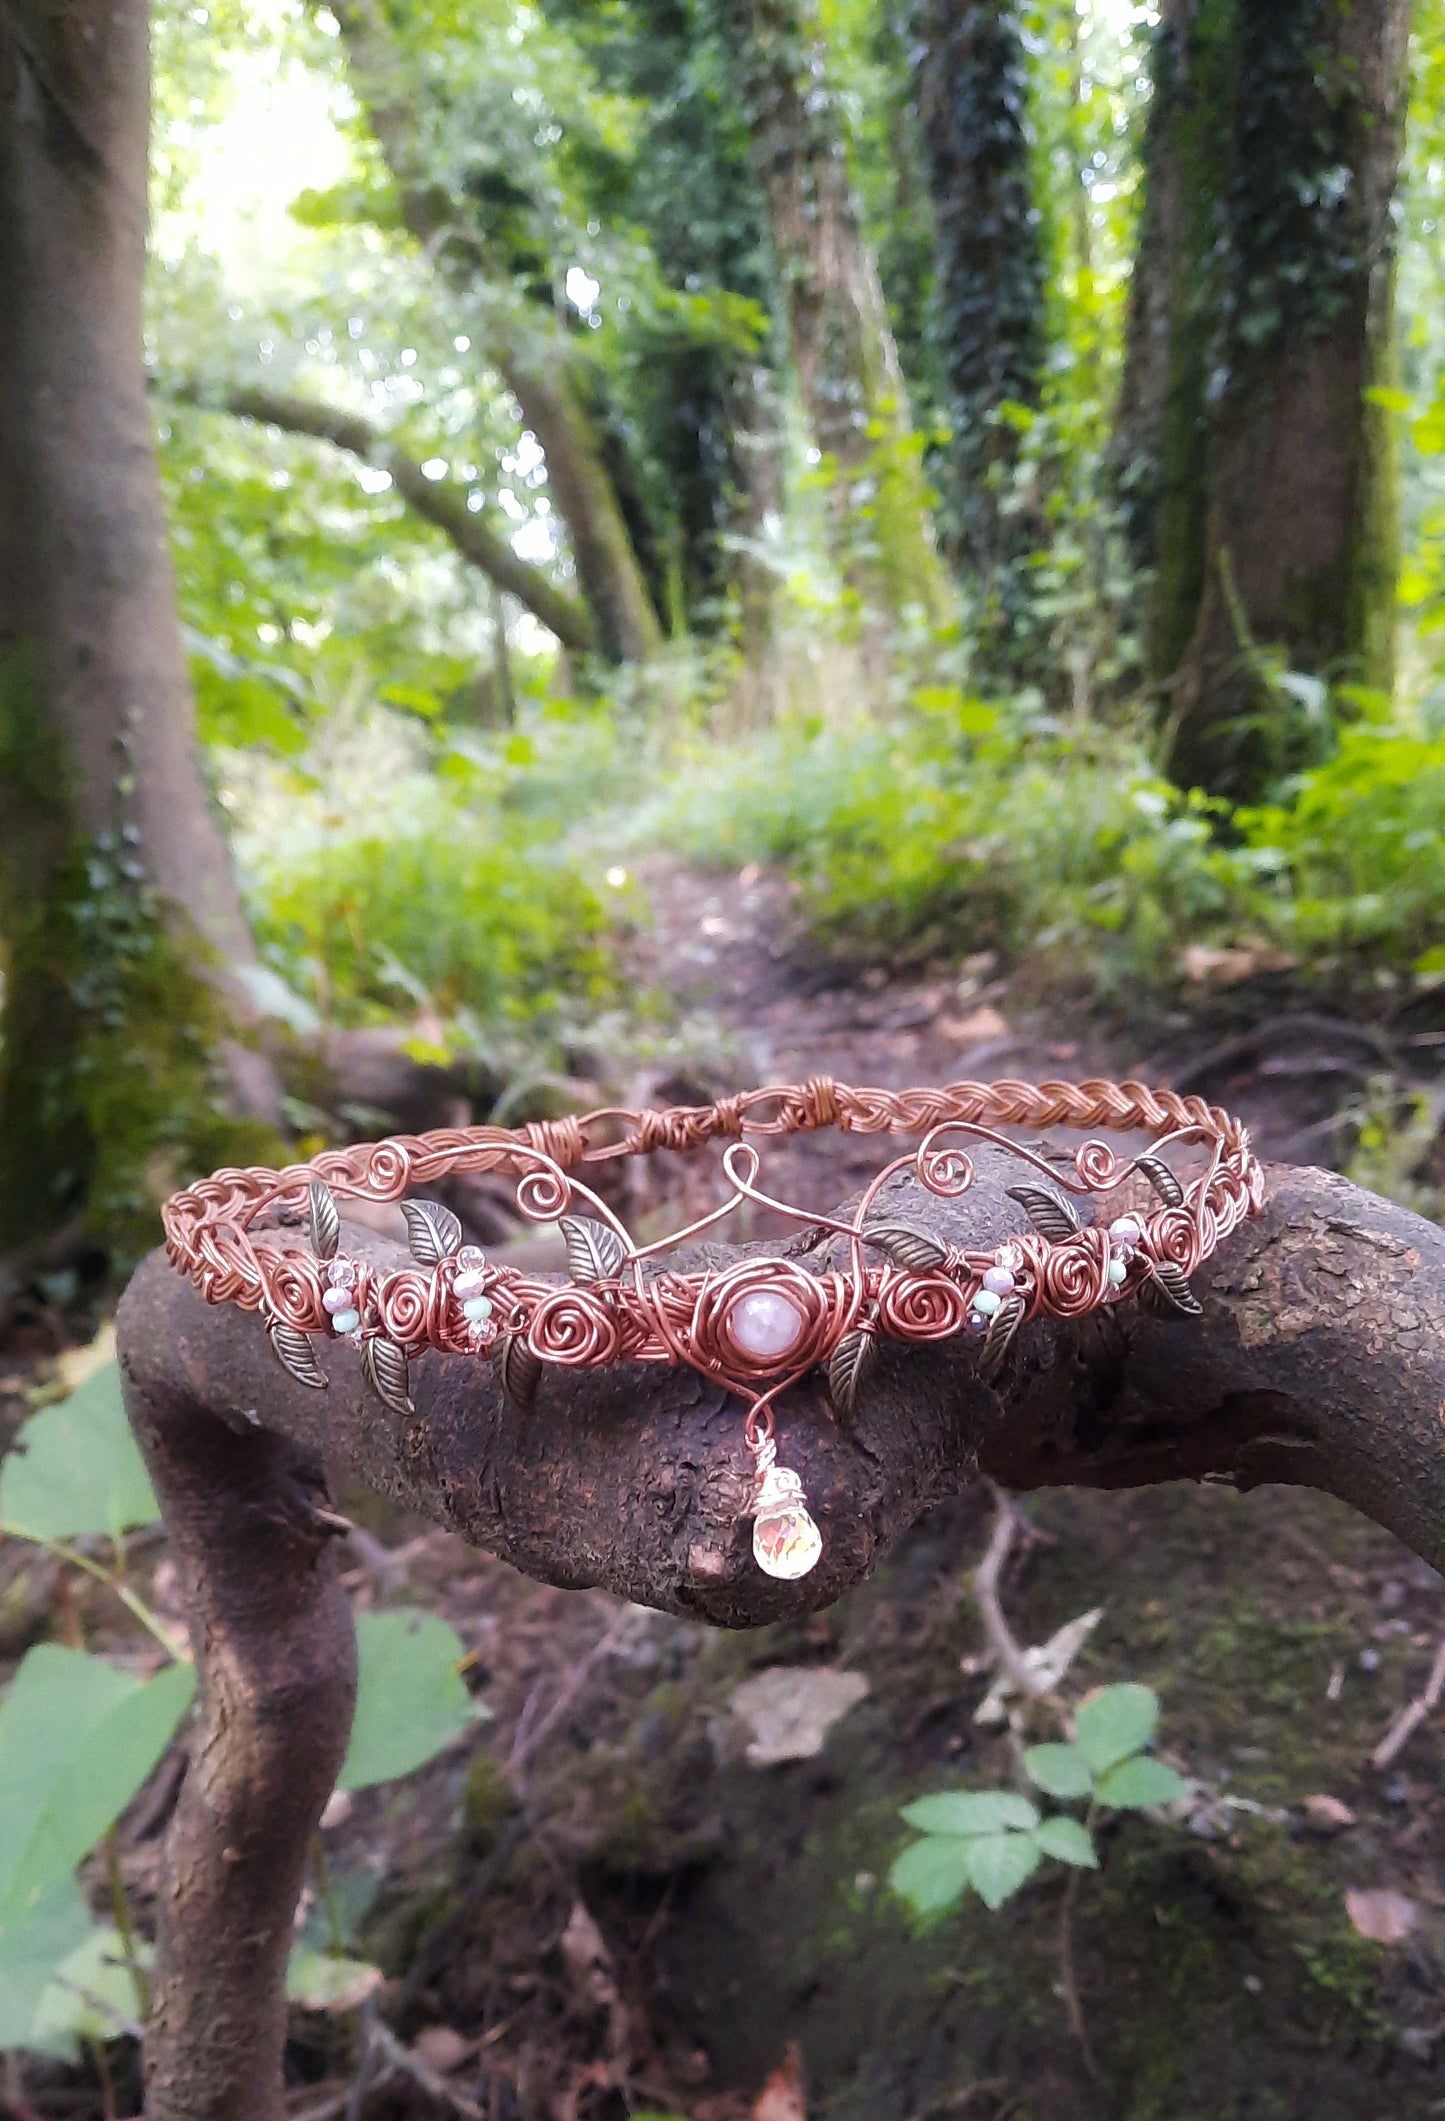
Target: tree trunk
{"points": [[1260, 480], [1319, 1361], [532, 361], [973, 95], [839, 336], [104, 814]]}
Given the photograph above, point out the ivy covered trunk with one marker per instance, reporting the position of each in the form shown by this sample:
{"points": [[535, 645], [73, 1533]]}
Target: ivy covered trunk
{"points": [[839, 336], [118, 908], [989, 300], [1258, 473]]}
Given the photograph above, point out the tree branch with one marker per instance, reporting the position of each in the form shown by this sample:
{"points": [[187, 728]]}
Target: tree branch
{"points": [[1320, 1361], [438, 504]]}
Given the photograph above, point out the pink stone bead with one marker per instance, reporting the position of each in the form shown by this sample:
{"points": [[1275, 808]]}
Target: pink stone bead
{"points": [[765, 1324], [1000, 1280], [337, 1300]]}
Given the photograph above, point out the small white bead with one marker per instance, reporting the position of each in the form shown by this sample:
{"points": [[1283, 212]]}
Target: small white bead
{"points": [[1118, 1272]]}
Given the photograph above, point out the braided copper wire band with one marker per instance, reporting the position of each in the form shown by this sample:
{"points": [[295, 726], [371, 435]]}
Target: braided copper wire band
{"points": [[631, 1315]]}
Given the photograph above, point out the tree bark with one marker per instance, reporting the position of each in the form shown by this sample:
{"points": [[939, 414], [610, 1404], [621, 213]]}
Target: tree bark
{"points": [[533, 362], [839, 336], [435, 502], [1319, 1361], [1260, 480], [989, 300], [98, 754]]}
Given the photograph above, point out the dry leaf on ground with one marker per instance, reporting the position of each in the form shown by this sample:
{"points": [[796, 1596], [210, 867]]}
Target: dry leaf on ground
{"points": [[790, 1709], [782, 2097], [1385, 1917]]}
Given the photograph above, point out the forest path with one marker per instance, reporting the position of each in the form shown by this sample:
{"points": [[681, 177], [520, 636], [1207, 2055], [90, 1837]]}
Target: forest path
{"points": [[730, 945]]}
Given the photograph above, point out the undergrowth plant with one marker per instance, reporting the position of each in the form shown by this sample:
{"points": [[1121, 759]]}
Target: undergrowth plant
{"points": [[992, 1841], [81, 1733], [961, 824]]}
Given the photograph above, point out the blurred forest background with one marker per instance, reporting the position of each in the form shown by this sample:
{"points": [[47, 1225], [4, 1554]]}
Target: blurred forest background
{"points": [[627, 547]]}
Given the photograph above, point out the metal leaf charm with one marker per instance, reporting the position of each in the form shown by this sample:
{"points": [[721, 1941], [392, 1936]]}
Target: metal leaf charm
{"points": [[912, 1249], [594, 1253], [325, 1219], [848, 1365], [999, 1338], [1051, 1215], [384, 1366], [1162, 1179], [432, 1231], [1167, 1293], [296, 1352], [521, 1372]]}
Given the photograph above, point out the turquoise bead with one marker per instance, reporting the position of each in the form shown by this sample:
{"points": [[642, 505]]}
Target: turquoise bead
{"points": [[987, 1301], [346, 1321], [477, 1307]]}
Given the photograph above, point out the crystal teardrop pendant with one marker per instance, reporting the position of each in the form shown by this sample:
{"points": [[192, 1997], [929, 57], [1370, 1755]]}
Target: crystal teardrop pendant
{"points": [[786, 1542]]}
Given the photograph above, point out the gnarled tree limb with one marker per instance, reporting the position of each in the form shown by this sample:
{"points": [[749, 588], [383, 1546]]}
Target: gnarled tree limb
{"points": [[435, 502], [1320, 1361]]}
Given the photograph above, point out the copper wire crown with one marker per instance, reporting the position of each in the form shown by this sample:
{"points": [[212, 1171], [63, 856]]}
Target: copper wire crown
{"points": [[761, 1325]]}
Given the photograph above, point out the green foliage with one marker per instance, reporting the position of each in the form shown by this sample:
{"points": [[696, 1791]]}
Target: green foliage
{"points": [[992, 1841], [79, 1736], [410, 1698], [966, 826], [75, 1468], [489, 925]]}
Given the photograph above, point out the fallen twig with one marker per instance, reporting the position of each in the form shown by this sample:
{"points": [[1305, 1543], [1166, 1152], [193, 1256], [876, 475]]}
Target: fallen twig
{"points": [[1412, 1715]]}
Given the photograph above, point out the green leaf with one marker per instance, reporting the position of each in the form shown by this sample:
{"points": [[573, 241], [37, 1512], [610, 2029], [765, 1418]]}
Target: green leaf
{"points": [[1139, 1782], [1061, 1770], [76, 1468], [931, 1874], [998, 1864], [329, 1981], [78, 1738], [410, 1699], [1114, 1723], [90, 1996], [33, 1942], [971, 1812], [1069, 1840]]}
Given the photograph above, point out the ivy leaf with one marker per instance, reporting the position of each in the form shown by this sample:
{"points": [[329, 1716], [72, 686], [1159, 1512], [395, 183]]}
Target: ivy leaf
{"points": [[931, 1874], [1060, 1770], [410, 1699], [1069, 1841], [78, 1737], [1114, 1723], [1139, 1782], [971, 1812], [76, 1468], [998, 1864]]}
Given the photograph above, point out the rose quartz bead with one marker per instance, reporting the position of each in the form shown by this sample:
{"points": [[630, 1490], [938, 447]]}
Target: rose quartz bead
{"points": [[765, 1324]]}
